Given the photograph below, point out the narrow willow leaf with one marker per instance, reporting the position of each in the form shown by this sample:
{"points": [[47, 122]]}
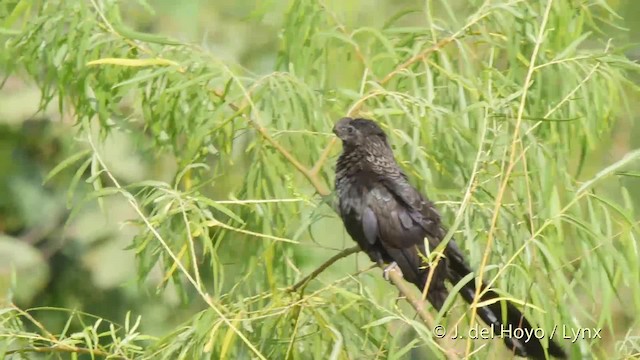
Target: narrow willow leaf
{"points": [[379, 322], [629, 157], [133, 62], [66, 163]]}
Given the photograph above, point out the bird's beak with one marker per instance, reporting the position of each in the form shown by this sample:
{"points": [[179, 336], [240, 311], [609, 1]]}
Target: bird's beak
{"points": [[339, 127]]}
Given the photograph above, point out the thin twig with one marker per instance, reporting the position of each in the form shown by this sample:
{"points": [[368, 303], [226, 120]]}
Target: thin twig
{"points": [[396, 278], [320, 187], [64, 349], [416, 302], [309, 174], [342, 254], [343, 30], [323, 157], [35, 322], [511, 164], [439, 45]]}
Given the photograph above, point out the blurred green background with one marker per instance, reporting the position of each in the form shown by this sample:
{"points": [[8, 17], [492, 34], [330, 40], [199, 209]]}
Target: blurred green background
{"points": [[48, 259]]}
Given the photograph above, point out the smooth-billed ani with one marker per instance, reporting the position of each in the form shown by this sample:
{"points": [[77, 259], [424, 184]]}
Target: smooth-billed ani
{"points": [[390, 220]]}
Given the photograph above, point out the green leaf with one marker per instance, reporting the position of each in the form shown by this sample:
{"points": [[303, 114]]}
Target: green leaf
{"points": [[66, 163]]}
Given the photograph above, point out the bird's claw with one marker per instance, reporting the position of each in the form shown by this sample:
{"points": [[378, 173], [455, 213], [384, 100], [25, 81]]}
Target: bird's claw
{"points": [[391, 267]]}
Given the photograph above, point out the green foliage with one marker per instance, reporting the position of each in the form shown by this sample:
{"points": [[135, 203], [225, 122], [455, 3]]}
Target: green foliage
{"points": [[509, 100]]}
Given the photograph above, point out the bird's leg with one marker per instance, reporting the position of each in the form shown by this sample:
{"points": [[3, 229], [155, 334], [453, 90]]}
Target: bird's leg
{"points": [[391, 267], [385, 273]]}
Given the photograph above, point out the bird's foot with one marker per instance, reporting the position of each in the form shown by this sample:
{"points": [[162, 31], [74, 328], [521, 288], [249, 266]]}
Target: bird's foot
{"points": [[391, 267]]}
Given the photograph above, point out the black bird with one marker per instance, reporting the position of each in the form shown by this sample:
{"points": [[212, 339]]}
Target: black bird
{"points": [[390, 219]]}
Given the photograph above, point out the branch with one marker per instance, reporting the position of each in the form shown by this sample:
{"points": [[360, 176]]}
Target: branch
{"points": [[65, 349], [309, 174], [323, 157], [313, 179], [440, 44], [342, 254], [396, 279], [512, 161], [418, 304]]}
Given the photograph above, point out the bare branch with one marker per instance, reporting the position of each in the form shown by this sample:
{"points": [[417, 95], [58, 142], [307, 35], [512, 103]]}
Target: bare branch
{"points": [[342, 254]]}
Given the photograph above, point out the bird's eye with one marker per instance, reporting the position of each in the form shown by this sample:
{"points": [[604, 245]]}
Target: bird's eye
{"points": [[350, 129]]}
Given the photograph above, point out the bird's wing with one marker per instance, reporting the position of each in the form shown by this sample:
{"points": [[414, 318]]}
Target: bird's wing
{"points": [[424, 213], [401, 233], [399, 224], [370, 225], [416, 216]]}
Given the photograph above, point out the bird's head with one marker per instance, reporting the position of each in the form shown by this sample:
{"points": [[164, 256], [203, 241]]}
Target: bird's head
{"points": [[356, 132]]}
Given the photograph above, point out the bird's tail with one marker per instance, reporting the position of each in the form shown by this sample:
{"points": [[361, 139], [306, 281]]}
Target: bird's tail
{"points": [[503, 316]]}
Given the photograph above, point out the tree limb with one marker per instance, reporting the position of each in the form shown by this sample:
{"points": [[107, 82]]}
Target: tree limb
{"points": [[342, 254]]}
